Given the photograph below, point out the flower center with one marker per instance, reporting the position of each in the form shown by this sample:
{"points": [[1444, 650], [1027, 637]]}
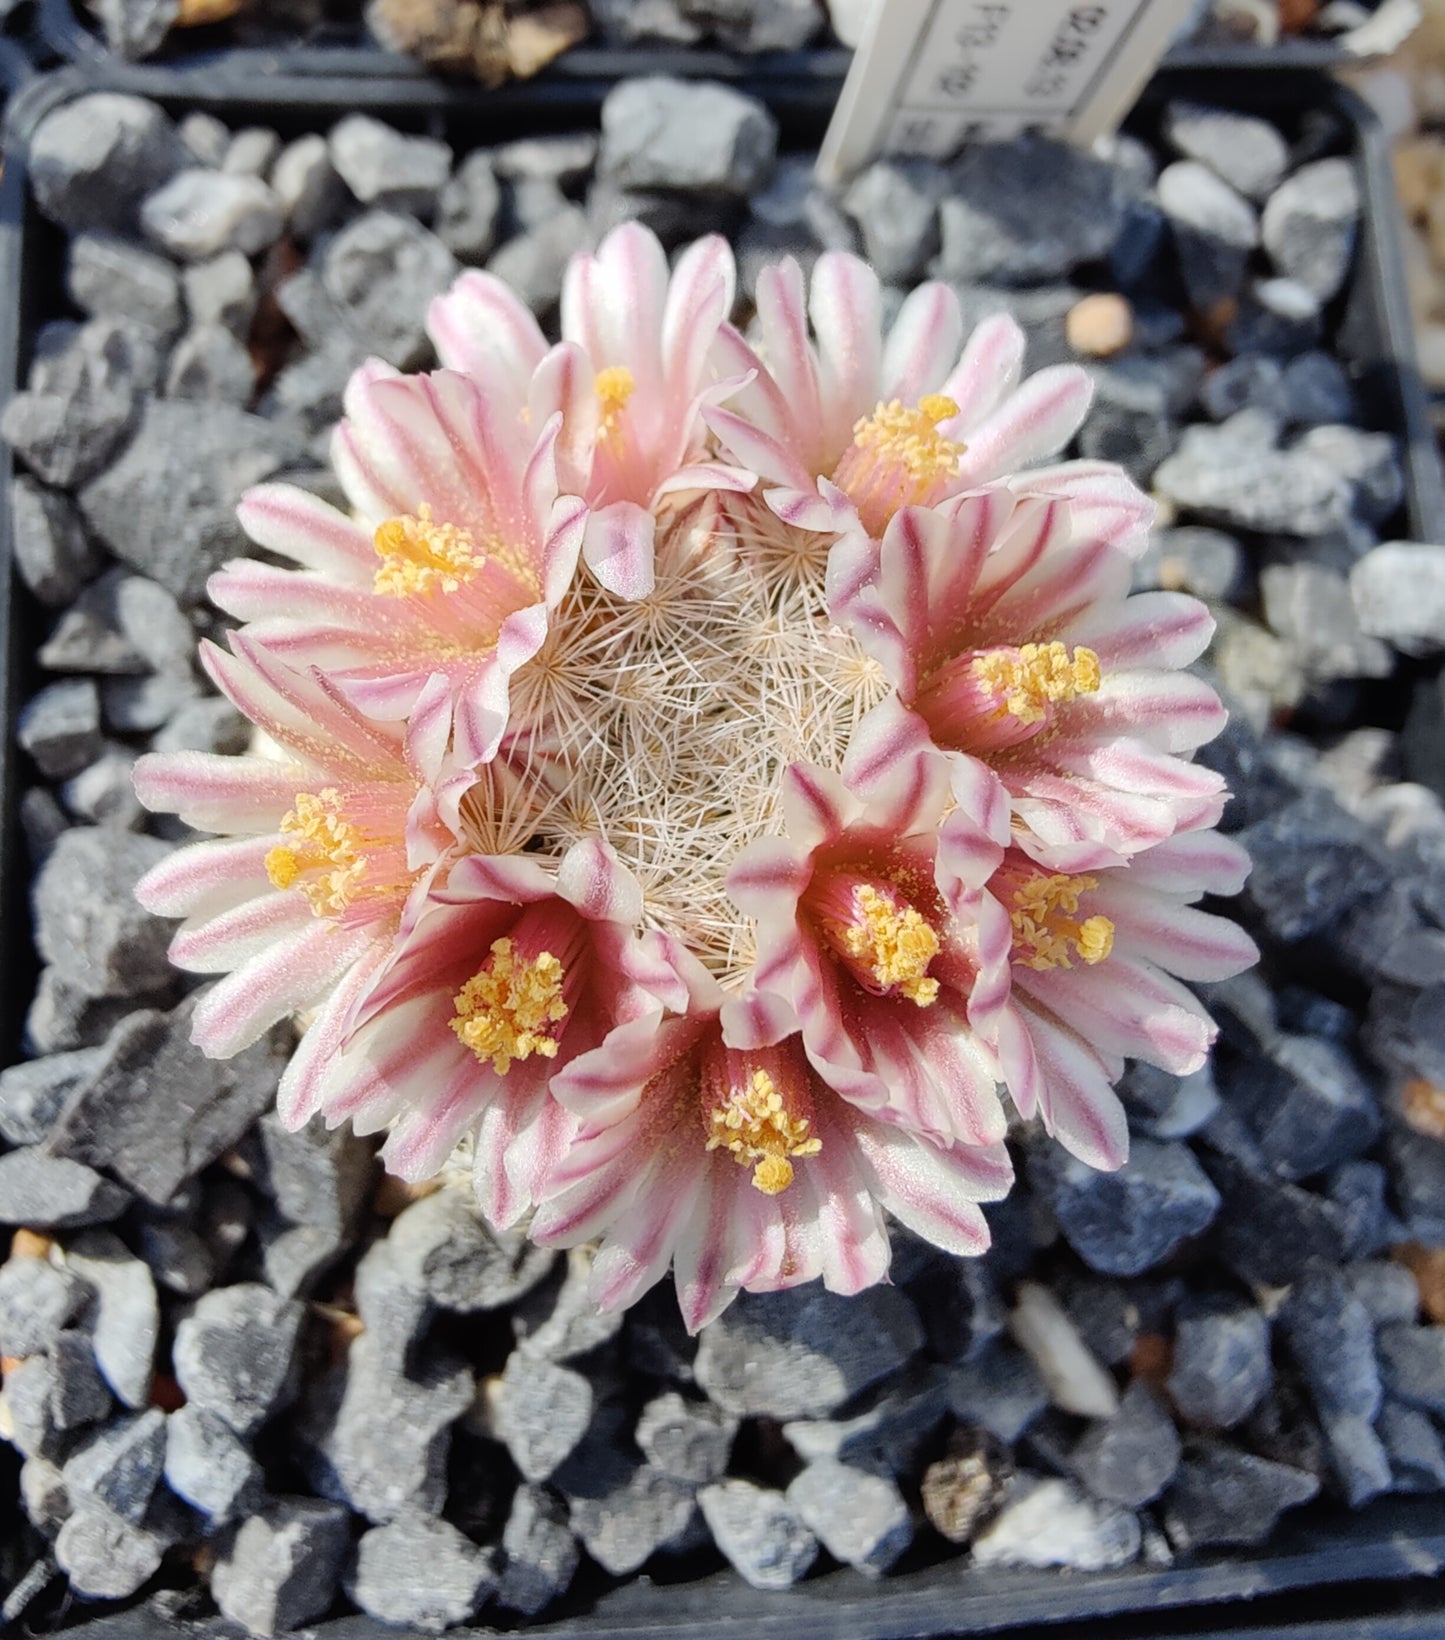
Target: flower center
{"points": [[1047, 929], [751, 1118], [418, 555], [614, 386], [1027, 681], [887, 942], [324, 861], [507, 1009], [898, 458]]}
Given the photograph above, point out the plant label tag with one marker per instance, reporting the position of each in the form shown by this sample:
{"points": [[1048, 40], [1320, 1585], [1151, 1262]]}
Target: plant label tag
{"points": [[930, 76]]}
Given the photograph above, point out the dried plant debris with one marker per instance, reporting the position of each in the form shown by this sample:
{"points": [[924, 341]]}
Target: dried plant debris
{"points": [[216, 1335]]}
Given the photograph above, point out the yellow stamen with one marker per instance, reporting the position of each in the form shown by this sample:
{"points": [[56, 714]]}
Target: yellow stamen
{"points": [[897, 944], [421, 556], [614, 387], [505, 1010], [1032, 678], [1046, 925], [755, 1124], [910, 439], [325, 862]]}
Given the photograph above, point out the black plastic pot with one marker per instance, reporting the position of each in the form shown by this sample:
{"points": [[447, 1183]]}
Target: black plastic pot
{"points": [[1325, 1561]]}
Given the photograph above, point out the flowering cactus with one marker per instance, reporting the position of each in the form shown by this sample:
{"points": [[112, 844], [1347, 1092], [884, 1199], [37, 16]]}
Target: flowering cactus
{"points": [[718, 778]]}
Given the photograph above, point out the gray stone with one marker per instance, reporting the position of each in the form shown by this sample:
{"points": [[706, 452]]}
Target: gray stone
{"points": [[542, 1412], [535, 200], [1051, 1523], [1042, 1328], [745, 25], [387, 168], [1248, 153], [1412, 1363], [622, 1510], [305, 182], [1277, 316], [1173, 1107], [1221, 1365], [566, 159], [315, 1176], [199, 213], [1131, 420], [418, 1572], [235, 1354], [468, 207], [1357, 1455], [210, 724], [1001, 1390], [860, 1518], [557, 1321], [60, 727], [36, 1301], [1370, 461], [1233, 475], [1399, 594], [539, 1552], [120, 1465], [222, 291], [27, 1402], [688, 1440], [104, 791], [382, 271], [1126, 1222], [178, 1257], [295, 1257], [108, 276], [1313, 863], [450, 1255], [1357, 1191], [1027, 211], [1309, 225], [210, 363], [125, 1321], [534, 263], [1131, 1457], [45, 1501], [47, 1193], [80, 400], [251, 152], [895, 204], [760, 1532], [53, 554], [206, 139], [42, 820], [1310, 607], [1387, 1290], [62, 1017], [1252, 381], [93, 160], [167, 507], [104, 1555], [33, 1093], [1215, 230], [1307, 1105], [139, 705], [1417, 1456], [136, 28], [282, 1566], [157, 1110], [1223, 1496], [625, 22], [1269, 1230], [891, 1424], [380, 1438], [78, 1394], [664, 133], [207, 1464], [1331, 1336], [392, 1306], [1317, 391], [804, 1353]]}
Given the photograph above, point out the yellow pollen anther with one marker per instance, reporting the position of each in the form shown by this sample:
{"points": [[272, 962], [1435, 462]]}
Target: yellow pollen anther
{"points": [[324, 862], [1046, 926], [614, 386], [894, 434], [755, 1124], [421, 556], [1032, 678], [897, 944], [505, 1010]]}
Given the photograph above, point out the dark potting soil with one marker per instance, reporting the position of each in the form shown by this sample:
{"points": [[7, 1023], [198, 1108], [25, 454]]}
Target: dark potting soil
{"points": [[250, 1372]]}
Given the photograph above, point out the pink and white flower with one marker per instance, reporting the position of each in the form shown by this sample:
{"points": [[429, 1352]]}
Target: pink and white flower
{"points": [[321, 847], [872, 924], [459, 542], [1097, 958], [1011, 640], [502, 974], [844, 427], [630, 378], [709, 1144]]}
